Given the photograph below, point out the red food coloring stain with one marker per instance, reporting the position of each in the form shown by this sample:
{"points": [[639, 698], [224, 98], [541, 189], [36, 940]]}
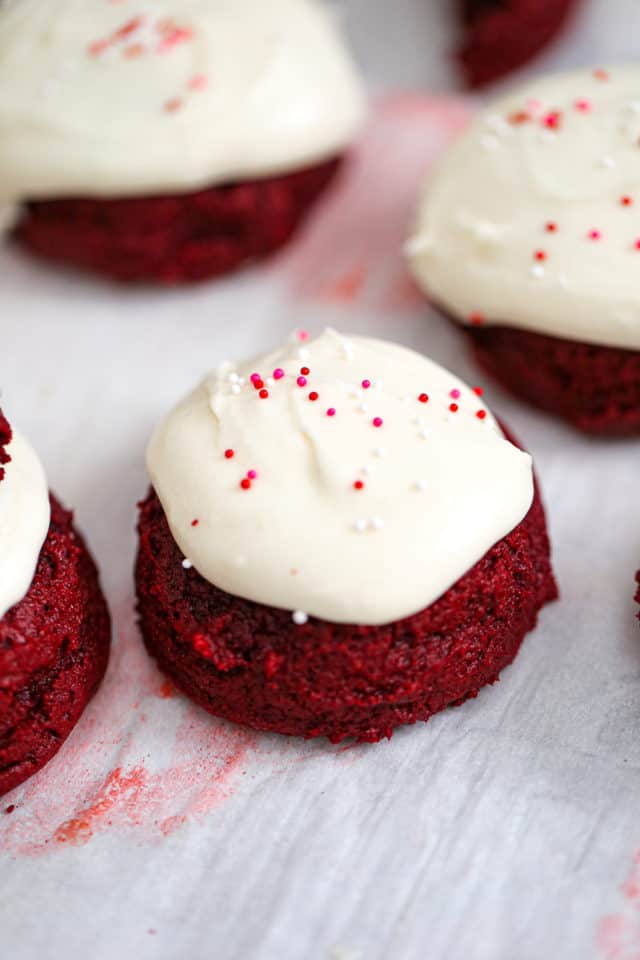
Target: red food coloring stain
{"points": [[424, 398], [118, 788], [348, 287], [637, 244], [173, 105], [263, 394], [358, 485], [245, 483], [481, 414], [303, 335], [128, 28], [476, 319], [98, 47], [194, 523], [313, 396], [626, 201], [229, 454], [582, 106], [453, 407], [594, 235], [377, 421], [601, 75], [167, 690]]}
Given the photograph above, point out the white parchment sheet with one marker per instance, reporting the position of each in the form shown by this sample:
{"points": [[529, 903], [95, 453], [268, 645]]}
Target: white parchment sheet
{"points": [[507, 829]]}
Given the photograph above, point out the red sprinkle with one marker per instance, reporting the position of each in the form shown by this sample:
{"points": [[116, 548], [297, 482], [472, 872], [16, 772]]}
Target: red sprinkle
{"points": [[540, 255], [313, 395], [258, 383], [481, 414], [229, 454], [453, 407], [551, 227], [245, 483], [305, 371], [478, 391], [552, 120], [358, 485], [476, 319], [424, 398], [637, 244], [626, 201], [194, 523], [377, 421], [263, 394], [519, 116]]}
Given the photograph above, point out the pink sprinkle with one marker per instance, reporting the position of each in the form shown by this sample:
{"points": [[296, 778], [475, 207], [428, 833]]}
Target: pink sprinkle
{"points": [[301, 381], [637, 244], [455, 394], [331, 412], [278, 373], [252, 474], [377, 421], [594, 235], [552, 120], [366, 384], [255, 377], [303, 335], [584, 106], [199, 82]]}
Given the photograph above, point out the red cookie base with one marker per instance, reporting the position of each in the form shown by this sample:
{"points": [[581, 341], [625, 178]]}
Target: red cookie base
{"points": [[178, 239], [597, 389], [54, 648], [251, 664], [502, 35]]}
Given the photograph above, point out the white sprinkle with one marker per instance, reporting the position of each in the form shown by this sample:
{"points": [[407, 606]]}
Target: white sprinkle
{"points": [[299, 617], [423, 434], [635, 106], [488, 141], [376, 523], [537, 271], [234, 378], [379, 452], [360, 526], [356, 393], [270, 381], [420, 485], [608, 162], [303, 353], [187, 564], [242, 381], [365, 471], [362, 407], [236, 389], [498, 124]]}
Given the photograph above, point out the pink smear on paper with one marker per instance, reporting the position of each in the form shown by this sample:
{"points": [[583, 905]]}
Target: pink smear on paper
{"points": [[351, 251], [112, 772], [618, 934]]}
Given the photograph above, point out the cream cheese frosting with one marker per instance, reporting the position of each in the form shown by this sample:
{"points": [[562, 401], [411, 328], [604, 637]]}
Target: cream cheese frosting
{"points": [[122, 98], [532, 219], [24, 521], [345, 478]]}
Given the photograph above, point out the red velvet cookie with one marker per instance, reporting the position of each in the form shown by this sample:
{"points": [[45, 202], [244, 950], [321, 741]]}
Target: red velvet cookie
{"points": [[179, 147], [184, 238], [54, 647], [502, 35], [251, 664], [406, 553]]}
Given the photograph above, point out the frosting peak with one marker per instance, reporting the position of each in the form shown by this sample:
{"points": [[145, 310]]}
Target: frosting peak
{"points": [[24, 520], [349, 479], [531, 218], [110, 99]]}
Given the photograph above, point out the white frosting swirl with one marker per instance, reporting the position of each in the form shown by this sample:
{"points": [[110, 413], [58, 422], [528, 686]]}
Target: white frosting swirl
{"points": [[24, 521], [437, 488], [532, 218], [107, 99]]}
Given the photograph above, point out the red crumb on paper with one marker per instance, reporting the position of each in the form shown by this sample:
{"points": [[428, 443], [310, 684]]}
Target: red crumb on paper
{"points": [[351, 250], [142, 758], [618, 934]]}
